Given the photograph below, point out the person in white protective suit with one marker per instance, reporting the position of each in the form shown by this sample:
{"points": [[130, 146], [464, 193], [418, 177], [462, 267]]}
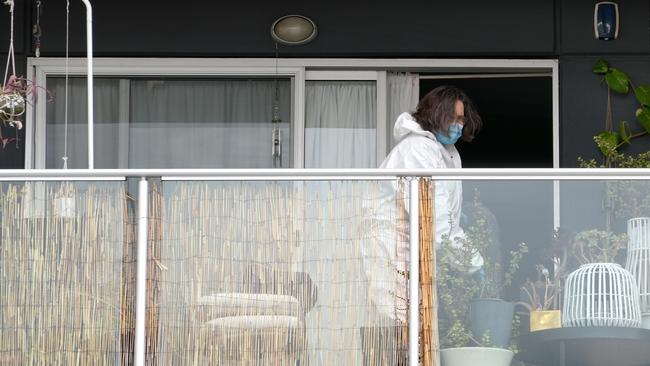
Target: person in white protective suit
{"points": [[425, 140]]}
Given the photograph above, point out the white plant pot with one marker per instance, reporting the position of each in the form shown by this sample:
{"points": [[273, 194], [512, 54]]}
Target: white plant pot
{"points": [[476, 356]]}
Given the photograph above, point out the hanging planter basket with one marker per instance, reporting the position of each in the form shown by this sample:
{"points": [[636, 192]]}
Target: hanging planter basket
{"points": [[601, 295], [12, 106]]}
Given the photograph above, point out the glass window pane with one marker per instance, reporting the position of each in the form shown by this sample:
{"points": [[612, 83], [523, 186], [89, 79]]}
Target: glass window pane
{"points": [[171, 123], [341, 124], [106, 116], [193, 123]]}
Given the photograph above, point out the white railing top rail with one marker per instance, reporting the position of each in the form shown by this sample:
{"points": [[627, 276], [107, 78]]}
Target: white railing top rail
{"points": [[328, 174]]}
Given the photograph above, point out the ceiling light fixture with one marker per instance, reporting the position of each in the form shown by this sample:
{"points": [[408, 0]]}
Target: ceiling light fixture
{"points": [[293, 30]]}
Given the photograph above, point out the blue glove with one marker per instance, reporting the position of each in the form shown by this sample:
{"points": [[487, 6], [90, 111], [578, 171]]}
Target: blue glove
{"points": [[480, 276]]}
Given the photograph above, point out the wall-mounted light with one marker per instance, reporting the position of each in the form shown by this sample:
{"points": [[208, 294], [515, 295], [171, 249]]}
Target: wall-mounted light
{"points": [[293, 30], [606, 20]]}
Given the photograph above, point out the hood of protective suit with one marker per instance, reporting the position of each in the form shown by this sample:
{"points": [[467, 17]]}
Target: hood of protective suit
{"points": [[406, 125]]}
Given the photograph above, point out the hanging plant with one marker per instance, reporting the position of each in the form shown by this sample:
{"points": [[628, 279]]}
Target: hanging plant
{"points": [[14, 96], [16, 91], [12, 102]]}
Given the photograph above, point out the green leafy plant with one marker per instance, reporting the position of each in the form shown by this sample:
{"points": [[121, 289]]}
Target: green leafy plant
{"points": [[482, 238], [623, 199], [597, 246], [610, 141], [496, 279], [457, 287], [628, 199]]}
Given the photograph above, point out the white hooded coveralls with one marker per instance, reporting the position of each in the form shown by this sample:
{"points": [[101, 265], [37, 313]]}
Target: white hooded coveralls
{"points": [[416, 149]]}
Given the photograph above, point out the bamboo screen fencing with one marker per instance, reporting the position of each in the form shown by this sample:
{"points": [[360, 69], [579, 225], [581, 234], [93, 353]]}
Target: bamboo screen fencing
{"points": [[238, 273], [278, 272], [64, 286]]}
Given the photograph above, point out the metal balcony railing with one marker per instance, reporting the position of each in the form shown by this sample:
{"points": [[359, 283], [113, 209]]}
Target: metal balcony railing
{"points": [[38, 194]]}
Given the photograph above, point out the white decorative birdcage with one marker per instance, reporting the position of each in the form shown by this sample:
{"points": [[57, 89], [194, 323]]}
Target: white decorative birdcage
{"points": [[601, 295], [638, 259]]}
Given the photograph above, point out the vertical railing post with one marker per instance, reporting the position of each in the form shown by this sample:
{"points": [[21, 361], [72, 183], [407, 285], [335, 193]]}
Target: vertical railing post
{"points": [[414, 270], [141, 272], [89, 81]]}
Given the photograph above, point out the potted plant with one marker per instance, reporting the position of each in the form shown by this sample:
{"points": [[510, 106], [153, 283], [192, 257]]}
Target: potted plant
{"points": [[12, 108], [456, 289], [542, 296], [14, 96], [490, 315], [458, 294]]}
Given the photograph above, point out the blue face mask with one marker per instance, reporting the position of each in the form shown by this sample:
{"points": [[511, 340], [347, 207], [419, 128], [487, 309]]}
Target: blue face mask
{"points": [[454, 132]]}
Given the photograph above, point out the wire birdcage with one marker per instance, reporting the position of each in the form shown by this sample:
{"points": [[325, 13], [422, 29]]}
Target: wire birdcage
{"points": [[638, 258], [601, 295]]}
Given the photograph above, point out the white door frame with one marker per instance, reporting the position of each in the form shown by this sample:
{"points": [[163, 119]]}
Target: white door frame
{"points": [[39, 68]]}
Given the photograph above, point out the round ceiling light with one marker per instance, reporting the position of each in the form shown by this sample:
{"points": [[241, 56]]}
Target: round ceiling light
{"points": [[293, 30]]}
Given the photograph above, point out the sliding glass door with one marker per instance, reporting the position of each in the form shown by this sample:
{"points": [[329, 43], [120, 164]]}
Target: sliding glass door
{"points": [[172, 122]]}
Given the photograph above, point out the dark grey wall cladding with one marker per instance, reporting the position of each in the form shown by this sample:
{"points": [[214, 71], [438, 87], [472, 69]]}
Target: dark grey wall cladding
{"points": [[462, 28], [22, 32], [354, 28], [584, 103], [578, 31]]}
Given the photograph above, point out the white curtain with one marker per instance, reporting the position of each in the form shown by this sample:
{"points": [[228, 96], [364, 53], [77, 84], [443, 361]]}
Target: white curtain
{"points": [[403, 96], [340, 124], [106, 114], [206, 123], [199, 123]]}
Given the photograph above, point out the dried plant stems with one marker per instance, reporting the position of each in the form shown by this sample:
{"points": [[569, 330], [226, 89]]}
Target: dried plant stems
{"points": [[429, 324], [60, 273], [222, 238], [67, 282]]}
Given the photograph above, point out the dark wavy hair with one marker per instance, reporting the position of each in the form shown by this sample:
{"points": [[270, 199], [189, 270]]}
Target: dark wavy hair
{"points": [[437, 110]]}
